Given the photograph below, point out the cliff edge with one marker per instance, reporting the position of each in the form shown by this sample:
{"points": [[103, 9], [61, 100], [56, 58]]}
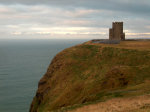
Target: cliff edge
{"points": [[92, 73]]}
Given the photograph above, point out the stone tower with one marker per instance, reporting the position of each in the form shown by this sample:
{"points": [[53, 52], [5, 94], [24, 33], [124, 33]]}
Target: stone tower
{"points": [[116, 32]]}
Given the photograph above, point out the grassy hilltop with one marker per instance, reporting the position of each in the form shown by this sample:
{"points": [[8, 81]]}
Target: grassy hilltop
{"points": [[92, 73]]}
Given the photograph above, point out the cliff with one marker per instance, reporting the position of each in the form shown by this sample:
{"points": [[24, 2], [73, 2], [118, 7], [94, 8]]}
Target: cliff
{"points": [[91, 73]]}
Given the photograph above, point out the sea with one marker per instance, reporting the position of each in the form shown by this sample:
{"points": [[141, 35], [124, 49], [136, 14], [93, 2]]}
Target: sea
{"points": [[22, 64]]}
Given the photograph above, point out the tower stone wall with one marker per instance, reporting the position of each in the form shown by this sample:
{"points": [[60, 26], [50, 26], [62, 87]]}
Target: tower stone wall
{"points": [[116, 32]]}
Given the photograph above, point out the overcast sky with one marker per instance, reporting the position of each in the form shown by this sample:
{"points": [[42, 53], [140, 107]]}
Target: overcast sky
{"points": [[49, 19]]}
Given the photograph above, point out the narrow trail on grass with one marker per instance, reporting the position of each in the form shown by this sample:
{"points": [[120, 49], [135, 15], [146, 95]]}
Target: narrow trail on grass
{"points": [[133, 104]]}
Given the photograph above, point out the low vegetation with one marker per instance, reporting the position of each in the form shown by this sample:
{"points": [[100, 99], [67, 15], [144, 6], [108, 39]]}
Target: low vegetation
{"points": [[91, 73]]}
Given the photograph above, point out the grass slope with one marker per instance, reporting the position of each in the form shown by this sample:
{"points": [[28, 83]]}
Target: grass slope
{"points": [[91, 73], [131, 104]]}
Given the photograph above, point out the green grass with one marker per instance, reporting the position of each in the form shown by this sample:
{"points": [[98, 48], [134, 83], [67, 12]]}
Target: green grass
{"points": [[88, 73]]}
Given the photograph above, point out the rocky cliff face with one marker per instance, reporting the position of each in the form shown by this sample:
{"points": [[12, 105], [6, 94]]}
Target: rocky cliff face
{"points": [[90, 73]]}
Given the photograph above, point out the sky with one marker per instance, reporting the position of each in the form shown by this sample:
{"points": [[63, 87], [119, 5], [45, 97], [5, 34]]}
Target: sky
{"points": [[72, 19]]}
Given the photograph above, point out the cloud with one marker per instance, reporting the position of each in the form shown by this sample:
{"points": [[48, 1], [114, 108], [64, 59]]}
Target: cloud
{"points": [[132, 6], [69, 17]]}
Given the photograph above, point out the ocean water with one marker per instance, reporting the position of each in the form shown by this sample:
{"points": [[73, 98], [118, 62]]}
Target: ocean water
{"points": [[22, 64]]}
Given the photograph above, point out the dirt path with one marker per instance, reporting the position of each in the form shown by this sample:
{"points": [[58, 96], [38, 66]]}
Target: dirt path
{"points": [[134, 104]]}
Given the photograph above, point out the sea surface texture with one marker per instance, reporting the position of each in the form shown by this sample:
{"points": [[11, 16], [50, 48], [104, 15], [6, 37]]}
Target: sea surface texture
{"points": [[22, 64]]}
